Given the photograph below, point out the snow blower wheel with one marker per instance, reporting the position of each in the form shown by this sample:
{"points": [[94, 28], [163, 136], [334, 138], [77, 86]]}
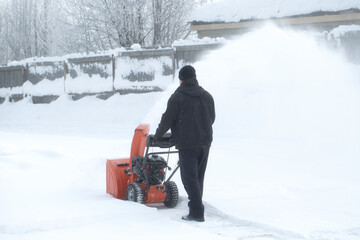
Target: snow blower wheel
{"points": [[172, 194], [134, 193]]}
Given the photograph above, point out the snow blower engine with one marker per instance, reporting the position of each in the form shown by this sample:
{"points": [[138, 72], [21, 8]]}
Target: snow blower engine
{"points": [[141, 178]]}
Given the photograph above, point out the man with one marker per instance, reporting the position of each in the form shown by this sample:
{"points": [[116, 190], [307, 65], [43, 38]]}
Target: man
{"points": [[190, 114]]}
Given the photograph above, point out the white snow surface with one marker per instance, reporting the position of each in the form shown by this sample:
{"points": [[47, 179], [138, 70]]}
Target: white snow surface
{"points": [[284, 163], [198, 41], [344, 29], [237, 10]]}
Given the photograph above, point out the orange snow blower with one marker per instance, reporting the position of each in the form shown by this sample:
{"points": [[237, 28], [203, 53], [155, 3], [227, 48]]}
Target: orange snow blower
{"points": [[141, 178]]}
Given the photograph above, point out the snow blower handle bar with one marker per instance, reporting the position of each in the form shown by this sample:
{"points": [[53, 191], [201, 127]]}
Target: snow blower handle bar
{"points": [[165, 141]]}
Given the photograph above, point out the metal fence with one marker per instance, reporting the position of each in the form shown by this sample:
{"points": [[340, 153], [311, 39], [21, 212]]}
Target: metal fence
{"points": [[125, 72], [350, 42]]}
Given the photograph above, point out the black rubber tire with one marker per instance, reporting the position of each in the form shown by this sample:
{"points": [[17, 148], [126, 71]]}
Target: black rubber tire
{"points": [[172, 194], [134, 193]]}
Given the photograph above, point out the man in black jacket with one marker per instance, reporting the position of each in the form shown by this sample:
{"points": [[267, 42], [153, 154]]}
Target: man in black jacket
{"points": [[190, 114]]}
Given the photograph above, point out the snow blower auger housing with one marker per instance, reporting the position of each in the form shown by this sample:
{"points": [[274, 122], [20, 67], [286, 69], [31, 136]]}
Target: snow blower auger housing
{"points": [[141, 178]]}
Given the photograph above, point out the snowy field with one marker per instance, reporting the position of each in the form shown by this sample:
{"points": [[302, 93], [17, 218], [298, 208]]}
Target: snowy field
{"points": [[284, 163]]}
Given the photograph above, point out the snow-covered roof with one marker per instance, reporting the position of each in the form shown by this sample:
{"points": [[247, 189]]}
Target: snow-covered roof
{"points": [[237, 10]]}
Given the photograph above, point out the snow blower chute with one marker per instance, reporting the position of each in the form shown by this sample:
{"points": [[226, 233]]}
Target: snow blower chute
{"points": [[141, 178]]}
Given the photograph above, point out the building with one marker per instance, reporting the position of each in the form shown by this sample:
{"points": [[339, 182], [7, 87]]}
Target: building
{"points": [[229, 18]]}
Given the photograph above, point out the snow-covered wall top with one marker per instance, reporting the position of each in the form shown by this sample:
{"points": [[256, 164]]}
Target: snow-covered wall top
{"points": [[116, 71], [237, 10]]}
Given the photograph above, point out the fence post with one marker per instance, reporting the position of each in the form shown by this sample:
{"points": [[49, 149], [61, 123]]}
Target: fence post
{"points": [[25, 76], [173, 62], [113, 72], [23, 81], [65, 73]]}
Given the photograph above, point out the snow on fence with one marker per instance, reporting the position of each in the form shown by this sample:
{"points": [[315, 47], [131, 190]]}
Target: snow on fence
{"points": [[191, 53], [349, 41], [44, 81], [89, 76], [11, 81], [123, 72]]}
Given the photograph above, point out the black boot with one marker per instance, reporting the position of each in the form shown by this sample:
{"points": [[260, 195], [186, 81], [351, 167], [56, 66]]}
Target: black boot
{"points": [[191, 218]]}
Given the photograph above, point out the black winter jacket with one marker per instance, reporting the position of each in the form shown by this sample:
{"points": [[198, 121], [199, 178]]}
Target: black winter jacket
{"points": [[190, 114]]}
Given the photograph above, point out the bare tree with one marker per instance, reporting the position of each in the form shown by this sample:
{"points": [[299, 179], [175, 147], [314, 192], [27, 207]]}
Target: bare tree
{"points": [[45, 30], [17, 28], [27, 28], [114, 23], [47, 27], [108, 24], [170, 20], [3, 52]]}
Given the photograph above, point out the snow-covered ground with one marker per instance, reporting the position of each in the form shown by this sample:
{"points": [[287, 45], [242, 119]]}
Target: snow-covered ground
{"points": [[284, 163]]}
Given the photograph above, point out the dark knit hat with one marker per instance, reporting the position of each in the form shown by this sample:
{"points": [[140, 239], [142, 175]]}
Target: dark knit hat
{"points": [[187, 72]]}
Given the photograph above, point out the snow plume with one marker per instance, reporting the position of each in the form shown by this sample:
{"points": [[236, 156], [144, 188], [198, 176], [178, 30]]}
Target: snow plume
{"points": [[280, 83], [281, 95]]}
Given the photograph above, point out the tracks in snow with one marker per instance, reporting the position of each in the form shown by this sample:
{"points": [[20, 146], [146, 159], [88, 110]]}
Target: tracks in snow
{"points": [[228, 226]]}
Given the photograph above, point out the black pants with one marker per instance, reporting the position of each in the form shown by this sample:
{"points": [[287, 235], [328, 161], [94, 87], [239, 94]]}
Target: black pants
{"points": [[192, 167]]}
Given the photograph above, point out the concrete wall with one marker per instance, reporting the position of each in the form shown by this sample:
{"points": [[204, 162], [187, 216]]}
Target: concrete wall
{"points": [[350, 43], [99, 75], [189, 54], [125, 72], [11, 81]]}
